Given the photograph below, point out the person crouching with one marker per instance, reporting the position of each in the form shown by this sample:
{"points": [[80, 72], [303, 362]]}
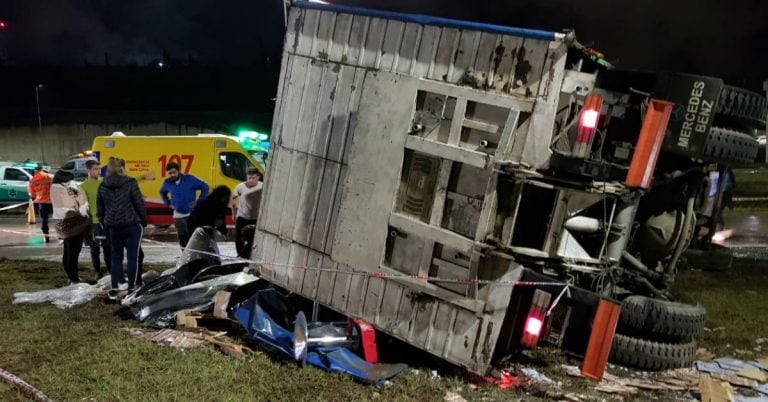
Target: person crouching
{"points": [[70, 210]]}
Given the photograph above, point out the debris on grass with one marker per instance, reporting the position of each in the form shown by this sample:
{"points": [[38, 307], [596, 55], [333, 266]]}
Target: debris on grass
{"points": [[536, 376], [64, 297], [23, 386], [453, 397], [715, 391], [175, 338], [704, 355]]}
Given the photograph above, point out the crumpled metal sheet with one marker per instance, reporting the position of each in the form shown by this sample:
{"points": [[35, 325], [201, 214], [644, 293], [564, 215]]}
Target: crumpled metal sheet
{"points": [[254, 316], [159, 310]]}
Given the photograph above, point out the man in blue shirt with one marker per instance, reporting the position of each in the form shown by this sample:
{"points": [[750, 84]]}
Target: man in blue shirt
{"points": [[182, 189]]}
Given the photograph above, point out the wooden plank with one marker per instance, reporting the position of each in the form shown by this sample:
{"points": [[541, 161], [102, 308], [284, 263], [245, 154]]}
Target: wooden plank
{"points": [[277, 189], [393, 36], [406, 56], [425, 56], [282, 256], [474, 95], [340, 38], [308, 200], [297, 257], [404, 313], [411, 225], [293, 31], [286, 66], [311, 282], [309, 107], [459, 112], [268, 253], [372, 48], [425, 310], [440, 328], [420, 286], [292, 193], [479, 125], [449, 38], [407, 253], [354, 112], [341, 284], [446, 151], [297, 81], [324, 35], [531, 57], [447, 270], [441, 188], [325, 202], [387, 317], [464, 56], [507, 138], [324, 113], [488, 213], [358, 289], [357, 37], [309, 27], [486, 53], [536, 150], [374, 165], [465, 331], [504, 63], [474, 266], [335, 208], [326, 282], [372, 298], [340, 114]]}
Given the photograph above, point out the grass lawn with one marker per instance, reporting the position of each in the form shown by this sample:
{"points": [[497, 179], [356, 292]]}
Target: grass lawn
{"points": [[81, 354]]}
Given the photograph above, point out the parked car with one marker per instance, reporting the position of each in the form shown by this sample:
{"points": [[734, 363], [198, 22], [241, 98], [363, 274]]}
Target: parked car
{"points": [[13, 183], [76, 166]]}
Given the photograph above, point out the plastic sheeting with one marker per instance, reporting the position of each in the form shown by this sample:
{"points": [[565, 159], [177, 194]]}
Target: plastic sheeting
{"points": [[253, 315], [200, 247], [64, 297], [159, 310]]}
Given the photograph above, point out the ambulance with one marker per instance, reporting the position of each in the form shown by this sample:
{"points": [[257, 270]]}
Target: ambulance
{"points": [[216, 159]]}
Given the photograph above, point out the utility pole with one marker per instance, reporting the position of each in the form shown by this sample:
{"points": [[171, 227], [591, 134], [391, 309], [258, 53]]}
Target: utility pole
{"points": [[40, 121]]}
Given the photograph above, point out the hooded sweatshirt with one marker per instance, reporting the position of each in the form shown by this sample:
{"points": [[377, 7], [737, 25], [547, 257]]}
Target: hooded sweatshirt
{"points": [[120, 203]]}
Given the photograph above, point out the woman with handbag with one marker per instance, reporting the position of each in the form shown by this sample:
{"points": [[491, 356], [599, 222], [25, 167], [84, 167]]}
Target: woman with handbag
{"points": [[70, 209]]}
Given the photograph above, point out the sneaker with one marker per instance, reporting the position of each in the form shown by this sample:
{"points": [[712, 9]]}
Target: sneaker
{"points": [[112, 294], [122, 286]]}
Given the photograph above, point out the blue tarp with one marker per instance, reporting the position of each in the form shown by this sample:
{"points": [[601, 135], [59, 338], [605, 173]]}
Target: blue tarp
{"points": [[263, 328]]}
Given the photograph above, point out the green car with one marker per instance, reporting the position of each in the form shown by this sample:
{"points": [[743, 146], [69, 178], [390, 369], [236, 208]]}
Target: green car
{"points": [[13, 184]]}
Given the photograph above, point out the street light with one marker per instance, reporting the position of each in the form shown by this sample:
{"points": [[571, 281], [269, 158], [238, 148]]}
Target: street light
{"points": [[39, 120]]}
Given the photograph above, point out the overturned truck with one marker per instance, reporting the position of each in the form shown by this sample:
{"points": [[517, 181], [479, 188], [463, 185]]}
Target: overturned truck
{"points": [[445, 180]]}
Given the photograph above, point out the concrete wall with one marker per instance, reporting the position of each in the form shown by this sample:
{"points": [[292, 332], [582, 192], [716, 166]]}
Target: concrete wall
{"points": [[59, 141]]}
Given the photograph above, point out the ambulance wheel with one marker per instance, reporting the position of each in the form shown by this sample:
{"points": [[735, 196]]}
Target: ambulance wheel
{"points": [[660, 320], [649, 355]]}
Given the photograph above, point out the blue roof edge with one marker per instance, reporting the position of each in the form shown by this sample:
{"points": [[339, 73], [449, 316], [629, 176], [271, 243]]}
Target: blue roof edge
{"points": [[439, 21]]}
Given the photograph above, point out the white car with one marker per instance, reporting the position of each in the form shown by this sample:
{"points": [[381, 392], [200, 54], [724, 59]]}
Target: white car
{"points": [[761, 140]]}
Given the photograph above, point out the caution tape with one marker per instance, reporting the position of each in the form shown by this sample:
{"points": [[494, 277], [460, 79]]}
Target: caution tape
{"points": [[14, 206]]}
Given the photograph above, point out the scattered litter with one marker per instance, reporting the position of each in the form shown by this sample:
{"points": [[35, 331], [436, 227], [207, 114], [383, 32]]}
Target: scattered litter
{"points": [[453, 397], [23, 386], [433, 374], [536, 376], [761, 340], [175, 338], [735, 380], [712, 367], [572, 371], [573, 397], [732, 364], [741, 352], [715, 391], [615, 388], [753, 373], [763, 389], [739, 398], [507, 380]]}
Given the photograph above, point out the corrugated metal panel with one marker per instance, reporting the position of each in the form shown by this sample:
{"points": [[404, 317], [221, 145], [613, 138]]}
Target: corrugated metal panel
{"points": [[502, 63]]}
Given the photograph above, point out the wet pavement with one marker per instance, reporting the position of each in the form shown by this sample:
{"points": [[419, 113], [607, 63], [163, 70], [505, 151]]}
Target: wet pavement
{"points": [[746, 227], [21, 241]]}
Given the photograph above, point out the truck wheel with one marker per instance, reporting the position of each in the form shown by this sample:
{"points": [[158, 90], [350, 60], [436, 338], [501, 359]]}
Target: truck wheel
{"points": [[660, 320], [649, 355], [742, 104], [728, 146]]}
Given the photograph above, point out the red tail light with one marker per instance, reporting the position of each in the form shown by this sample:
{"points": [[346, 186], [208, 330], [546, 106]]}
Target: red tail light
{"points": [[533, 326], [590, 115]]}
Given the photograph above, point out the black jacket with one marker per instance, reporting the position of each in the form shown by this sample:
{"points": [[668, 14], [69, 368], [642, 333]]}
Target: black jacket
{"points": [[120, 203], [209, 212]]}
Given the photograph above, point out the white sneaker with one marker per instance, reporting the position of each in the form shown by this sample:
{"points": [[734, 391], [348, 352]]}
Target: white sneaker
{"points": [[123, 286]]}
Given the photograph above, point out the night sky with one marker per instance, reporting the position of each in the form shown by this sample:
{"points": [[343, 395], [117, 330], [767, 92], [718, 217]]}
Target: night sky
{"points": [[725, 39]]}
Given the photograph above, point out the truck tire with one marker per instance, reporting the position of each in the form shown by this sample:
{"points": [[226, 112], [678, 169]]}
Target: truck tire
{"points": [[649, 355], [660, 320], [742, 104], [728, 146]]}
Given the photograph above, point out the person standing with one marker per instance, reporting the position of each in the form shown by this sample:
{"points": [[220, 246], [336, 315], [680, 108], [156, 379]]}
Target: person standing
{"points": [[182, 189], [39, 189], [212, 211], [100, 239], [120, 208], [248, 196], [70, 209]]}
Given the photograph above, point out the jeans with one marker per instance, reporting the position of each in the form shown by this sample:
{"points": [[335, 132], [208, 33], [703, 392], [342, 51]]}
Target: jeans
{"points": [[242, 243], [99, 231], [44, 211], [182, 229], [72, 247], [128, 239]]}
